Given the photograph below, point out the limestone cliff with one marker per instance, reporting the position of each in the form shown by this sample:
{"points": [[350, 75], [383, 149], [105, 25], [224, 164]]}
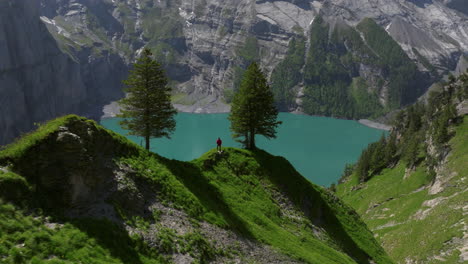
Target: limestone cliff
{"points": [[205, 44], [39, 80]]}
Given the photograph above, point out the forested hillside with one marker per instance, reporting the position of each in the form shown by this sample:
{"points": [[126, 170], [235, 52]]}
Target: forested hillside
{"points": [[410, 187], [350, 72]]}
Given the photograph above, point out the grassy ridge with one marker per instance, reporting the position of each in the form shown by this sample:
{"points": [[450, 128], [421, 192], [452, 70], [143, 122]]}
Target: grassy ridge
{"points": [[18, 149], [255, 194], [234, 191]]}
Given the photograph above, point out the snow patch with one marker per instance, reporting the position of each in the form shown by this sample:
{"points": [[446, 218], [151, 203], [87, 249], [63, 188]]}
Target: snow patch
{"points": [[267, 19], [388, 27], [286, 15], [59, 29], [311, 21], [73, 12]]}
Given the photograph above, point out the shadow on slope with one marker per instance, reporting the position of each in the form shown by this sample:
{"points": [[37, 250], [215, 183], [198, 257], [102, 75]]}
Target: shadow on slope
{"points": [[323, 209], [112, 237], [62, 166], [210, 197]]}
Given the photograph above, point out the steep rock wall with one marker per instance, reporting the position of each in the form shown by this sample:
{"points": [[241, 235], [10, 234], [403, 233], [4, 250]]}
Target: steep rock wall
{"points": [[38, 81]]}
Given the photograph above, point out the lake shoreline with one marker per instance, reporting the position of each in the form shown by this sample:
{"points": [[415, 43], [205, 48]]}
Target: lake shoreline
{"points": [[365, 122], [111, 110], [318, 147]]}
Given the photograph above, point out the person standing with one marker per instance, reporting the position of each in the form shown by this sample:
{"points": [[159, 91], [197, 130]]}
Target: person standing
{"points": [[218, 144]]}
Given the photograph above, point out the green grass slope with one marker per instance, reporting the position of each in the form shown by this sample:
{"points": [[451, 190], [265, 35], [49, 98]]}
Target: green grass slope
{"points": [[417, 218], [51, 178]]}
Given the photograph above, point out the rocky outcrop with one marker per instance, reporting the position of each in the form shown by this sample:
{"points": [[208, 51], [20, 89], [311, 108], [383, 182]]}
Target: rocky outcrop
{"points": [[74, 164]]}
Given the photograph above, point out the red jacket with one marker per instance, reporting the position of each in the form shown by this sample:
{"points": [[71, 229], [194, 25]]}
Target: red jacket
{"points": [[219, 142]]}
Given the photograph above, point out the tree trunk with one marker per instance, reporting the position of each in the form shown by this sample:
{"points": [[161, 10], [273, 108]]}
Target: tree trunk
{"points": [[147, 140], [246, 141], [147, 128], [252, 140]]}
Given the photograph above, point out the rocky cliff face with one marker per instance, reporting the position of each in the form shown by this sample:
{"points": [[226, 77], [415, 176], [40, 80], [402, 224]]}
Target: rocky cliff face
{"points": [[32, 71], [206, 44], [39, 80]]}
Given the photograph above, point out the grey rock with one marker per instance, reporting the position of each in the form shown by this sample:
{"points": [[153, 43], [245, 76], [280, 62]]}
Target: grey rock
{"points": [[73, 59], [39, 81]]}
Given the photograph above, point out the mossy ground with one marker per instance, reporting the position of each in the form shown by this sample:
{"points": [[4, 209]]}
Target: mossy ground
{"points": [[236, 190], [395, 207]]}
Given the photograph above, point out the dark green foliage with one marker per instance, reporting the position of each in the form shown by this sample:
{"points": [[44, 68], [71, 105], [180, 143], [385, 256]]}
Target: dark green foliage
{"points": [[348, 170], [253, 111], [288, 74], [442, 110], [162, 24], [163, 31], [238, 72], [405, 83], [390, 149], [165, 53], [372, 160], [414, 128], [326, 78], [440, 132], [329, 72], [147, 109], [13, 187], [333, 86], [363, 166], [248, 54], [378, 155], [412, 149], [366, 103]]}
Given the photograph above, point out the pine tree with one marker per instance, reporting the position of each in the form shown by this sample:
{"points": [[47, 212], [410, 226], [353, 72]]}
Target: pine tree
{"points": [[391, 148], [253, 109], [363, 166], [377, 162], [147, 110]]}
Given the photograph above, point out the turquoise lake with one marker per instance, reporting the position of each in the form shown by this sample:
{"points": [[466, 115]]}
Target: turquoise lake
{"points": [[318, 147]]}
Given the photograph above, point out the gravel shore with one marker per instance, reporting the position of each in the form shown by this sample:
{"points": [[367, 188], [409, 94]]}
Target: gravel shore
{"points": [[375, 125]]}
